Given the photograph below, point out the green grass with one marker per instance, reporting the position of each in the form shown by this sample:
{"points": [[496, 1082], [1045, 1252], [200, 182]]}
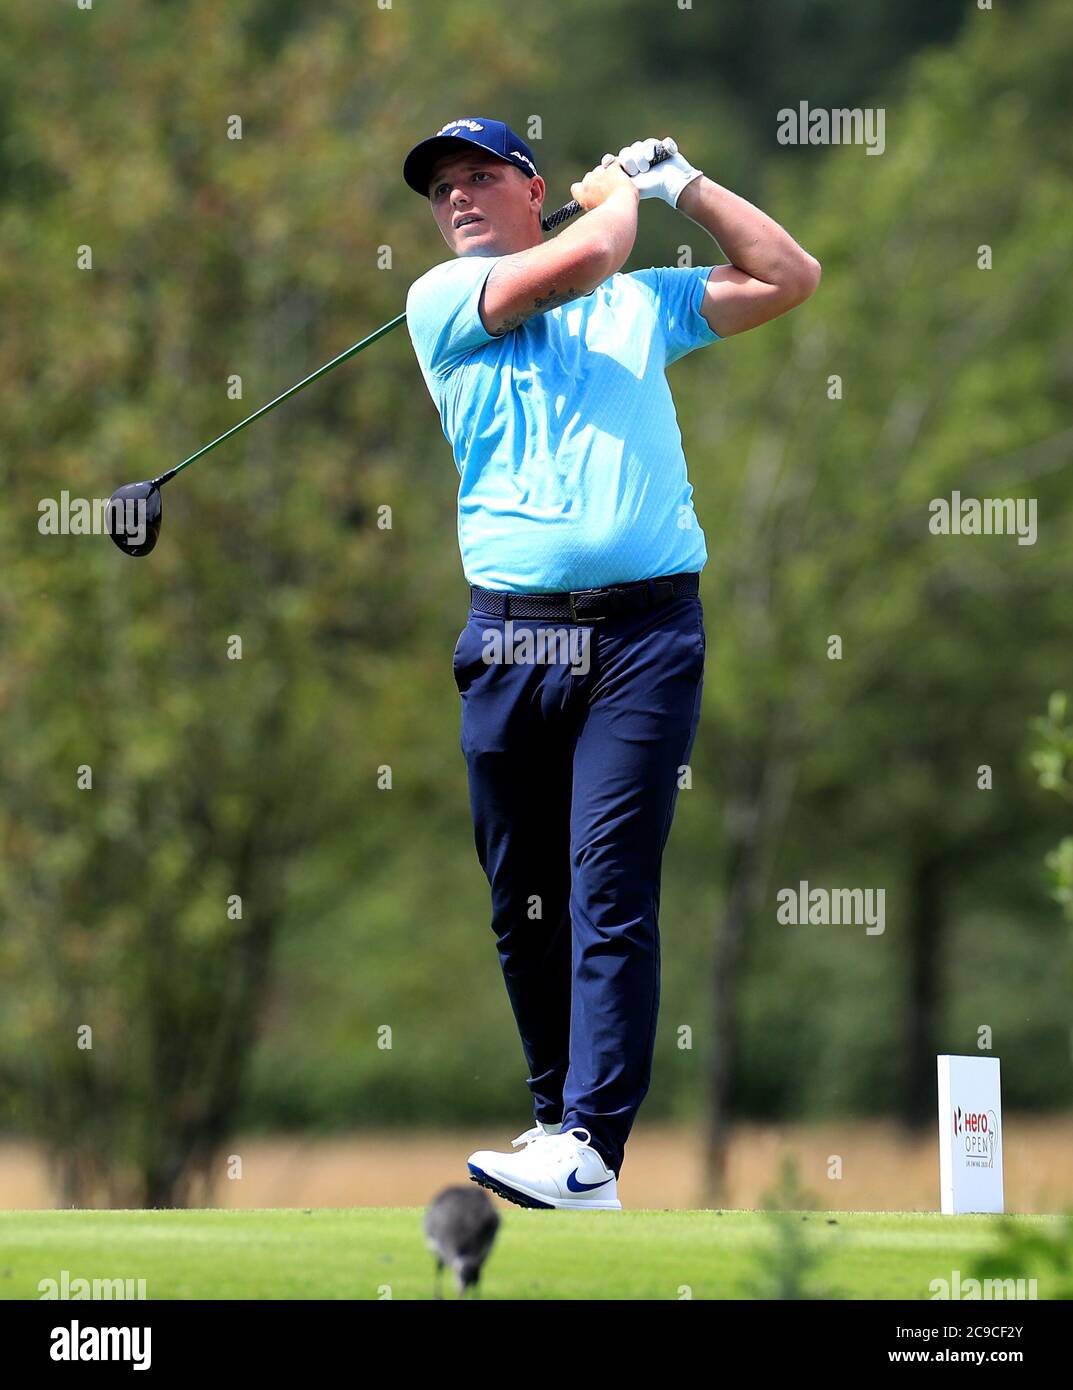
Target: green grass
{"points": [[369, 1253]]}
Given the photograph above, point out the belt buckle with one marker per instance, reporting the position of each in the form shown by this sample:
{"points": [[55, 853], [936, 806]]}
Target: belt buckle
{"points": [[579, 618]]}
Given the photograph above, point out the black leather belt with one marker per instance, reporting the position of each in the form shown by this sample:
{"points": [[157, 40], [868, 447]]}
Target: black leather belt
{"points": [[586, 605]]}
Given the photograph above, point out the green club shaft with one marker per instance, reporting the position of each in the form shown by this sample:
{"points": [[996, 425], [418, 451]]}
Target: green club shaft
{"points": [[293, 390]]}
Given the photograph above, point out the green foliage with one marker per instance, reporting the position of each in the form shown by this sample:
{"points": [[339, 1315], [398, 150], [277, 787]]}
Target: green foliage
{"points": [[1031, 1253], [791, 1261], [1052, 760]]}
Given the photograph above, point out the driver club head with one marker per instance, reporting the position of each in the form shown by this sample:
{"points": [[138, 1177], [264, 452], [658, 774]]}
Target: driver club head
{"points": [[133, 517]]}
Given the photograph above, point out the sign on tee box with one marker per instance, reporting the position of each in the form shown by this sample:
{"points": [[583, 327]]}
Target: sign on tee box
{"points": [[970, 1134]]}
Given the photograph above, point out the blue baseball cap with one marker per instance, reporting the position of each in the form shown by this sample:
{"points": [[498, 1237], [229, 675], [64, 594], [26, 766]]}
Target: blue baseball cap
{"points": [[493, 136]]}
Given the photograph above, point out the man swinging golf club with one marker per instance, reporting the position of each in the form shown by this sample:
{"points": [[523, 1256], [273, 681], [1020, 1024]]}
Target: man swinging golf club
{"points": [[575, 518]]}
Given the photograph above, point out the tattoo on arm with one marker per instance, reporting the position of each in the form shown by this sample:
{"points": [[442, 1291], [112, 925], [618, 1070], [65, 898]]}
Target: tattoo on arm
{"points": [[540, 304]]}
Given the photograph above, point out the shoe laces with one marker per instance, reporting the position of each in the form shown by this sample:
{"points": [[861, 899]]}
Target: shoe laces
{"points": [[531, 1136], [557, 1147]]}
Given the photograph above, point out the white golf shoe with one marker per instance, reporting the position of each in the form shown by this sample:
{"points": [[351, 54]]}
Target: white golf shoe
{"points": [[552, 1170]]}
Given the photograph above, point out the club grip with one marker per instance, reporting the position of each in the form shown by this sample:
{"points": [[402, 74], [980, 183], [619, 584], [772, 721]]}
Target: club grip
{"points": [[573, 207]]}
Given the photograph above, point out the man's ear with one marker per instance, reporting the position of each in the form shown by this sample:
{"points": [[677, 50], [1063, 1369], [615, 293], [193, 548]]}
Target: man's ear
{"points": [[537, 190]]}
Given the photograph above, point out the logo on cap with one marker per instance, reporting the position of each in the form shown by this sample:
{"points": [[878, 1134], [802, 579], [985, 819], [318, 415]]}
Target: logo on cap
{"points": [[517, 154], [454, 125]]}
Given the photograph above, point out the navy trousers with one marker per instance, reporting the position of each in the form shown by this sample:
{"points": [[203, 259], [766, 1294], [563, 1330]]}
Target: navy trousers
{"points": [[574, 746]]}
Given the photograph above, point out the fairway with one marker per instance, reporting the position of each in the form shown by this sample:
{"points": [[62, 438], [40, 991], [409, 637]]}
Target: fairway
{"points": [[377, 1253]]}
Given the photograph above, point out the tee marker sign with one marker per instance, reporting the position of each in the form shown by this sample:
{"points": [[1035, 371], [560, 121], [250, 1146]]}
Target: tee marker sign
{"points": [[970, 1135]]}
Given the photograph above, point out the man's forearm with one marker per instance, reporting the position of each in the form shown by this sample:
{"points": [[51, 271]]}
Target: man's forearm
{"points": [[613, 224], [748, 238], [568, 266]]}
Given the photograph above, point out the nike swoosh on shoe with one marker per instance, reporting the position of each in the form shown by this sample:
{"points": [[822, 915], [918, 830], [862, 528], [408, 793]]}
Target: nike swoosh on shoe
{"points": [[574, 1186]]}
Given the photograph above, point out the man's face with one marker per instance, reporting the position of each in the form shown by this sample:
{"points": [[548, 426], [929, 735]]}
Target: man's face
{"points": [[502, 203]]}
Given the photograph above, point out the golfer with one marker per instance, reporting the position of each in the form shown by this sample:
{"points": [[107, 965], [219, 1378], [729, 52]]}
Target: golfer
{"points": [[581, 662]]}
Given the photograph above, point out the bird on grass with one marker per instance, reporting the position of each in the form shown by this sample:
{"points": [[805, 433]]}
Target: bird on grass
{"points": [[460, 1228]]}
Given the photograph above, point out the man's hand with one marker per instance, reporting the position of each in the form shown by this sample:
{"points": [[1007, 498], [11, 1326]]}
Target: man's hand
{"points": [[666, 179], [599, 184]]}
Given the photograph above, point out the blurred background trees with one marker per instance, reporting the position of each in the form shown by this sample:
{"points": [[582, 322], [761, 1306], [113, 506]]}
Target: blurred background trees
{"points": [[237, 908]]}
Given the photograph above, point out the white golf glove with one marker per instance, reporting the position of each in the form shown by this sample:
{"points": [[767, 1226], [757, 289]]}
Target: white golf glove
{"points": [[666, 180]]}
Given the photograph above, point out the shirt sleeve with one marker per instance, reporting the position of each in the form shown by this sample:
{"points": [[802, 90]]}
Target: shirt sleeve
{"points": [[677, 293], [442, 314]]}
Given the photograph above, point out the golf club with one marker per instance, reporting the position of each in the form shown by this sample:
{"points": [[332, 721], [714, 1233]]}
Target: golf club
{"points": [[572, 208], [143, 500]]}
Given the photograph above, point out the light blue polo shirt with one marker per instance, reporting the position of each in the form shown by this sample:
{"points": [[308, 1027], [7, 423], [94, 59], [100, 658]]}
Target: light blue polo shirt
{"points": [[564, 430]]}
